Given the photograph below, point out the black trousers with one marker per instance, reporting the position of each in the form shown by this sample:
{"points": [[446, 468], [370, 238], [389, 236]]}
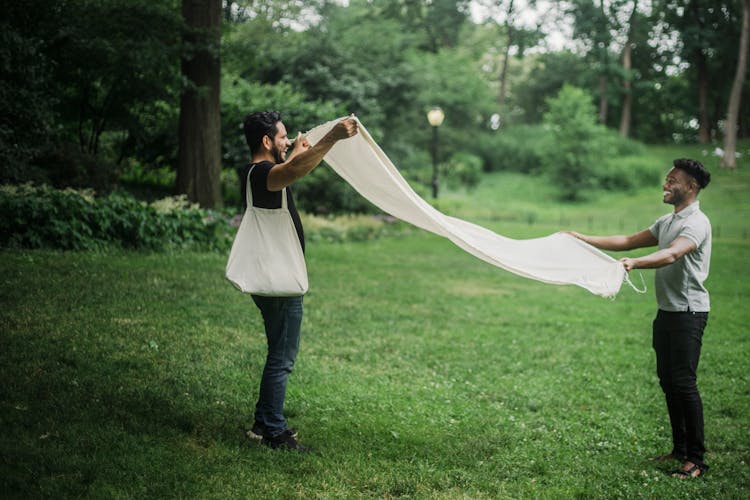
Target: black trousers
{"points": [[677, 341]]}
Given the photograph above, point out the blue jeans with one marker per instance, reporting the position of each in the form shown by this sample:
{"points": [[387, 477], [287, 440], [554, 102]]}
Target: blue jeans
{"points": [[678, 337], [282, 317]]}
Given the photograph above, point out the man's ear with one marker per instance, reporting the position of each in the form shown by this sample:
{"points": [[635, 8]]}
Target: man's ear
{"points": [[267, 142]]}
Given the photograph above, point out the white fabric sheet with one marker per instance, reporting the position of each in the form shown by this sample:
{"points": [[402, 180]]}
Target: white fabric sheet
{"points": [[558, 258]]}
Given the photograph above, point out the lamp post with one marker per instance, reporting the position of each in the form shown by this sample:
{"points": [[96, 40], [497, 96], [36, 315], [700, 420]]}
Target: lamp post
{"points": [[435, 116]]}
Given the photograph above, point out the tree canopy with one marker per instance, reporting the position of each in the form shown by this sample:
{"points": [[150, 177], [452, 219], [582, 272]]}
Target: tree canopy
{"points": [[91, 89]]}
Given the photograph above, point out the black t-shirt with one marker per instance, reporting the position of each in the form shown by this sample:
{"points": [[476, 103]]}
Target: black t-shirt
{"points": [[263, 198]]}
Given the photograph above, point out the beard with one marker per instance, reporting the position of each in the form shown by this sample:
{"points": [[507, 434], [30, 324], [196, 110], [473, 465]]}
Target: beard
{"points": [[278, 157], [674, 198]]}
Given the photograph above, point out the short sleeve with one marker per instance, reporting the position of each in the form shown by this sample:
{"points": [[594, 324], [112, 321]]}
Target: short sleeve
{"points": [[695, 231], [657, 226]]}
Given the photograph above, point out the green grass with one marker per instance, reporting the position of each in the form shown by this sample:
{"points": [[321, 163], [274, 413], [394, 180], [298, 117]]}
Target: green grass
{"points": [[423, 372]]}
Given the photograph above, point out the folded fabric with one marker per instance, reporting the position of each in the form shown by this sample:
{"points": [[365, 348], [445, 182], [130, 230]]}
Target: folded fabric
{"points": [[557, 259]]}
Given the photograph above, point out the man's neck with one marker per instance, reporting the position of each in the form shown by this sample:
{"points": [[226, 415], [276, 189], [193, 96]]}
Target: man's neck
{"points": [[263, 156], [679, 208]]}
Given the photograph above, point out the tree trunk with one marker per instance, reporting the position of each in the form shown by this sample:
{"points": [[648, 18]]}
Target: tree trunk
{"points": [[733, 108], [199, 156], [604, 76], [704, 124], [627, 84], [603, 103], [504, 71], [701, 67]]}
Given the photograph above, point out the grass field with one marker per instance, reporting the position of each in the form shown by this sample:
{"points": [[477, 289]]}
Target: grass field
{"points": [[423, 372]]}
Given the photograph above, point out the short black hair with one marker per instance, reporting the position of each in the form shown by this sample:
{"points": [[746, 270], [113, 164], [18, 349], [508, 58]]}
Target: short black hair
{"points": [[695, 169], [258, 125]]}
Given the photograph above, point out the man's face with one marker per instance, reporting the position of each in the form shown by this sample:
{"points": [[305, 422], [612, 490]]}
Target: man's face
{"points": [[676, 186], [280, 143]]}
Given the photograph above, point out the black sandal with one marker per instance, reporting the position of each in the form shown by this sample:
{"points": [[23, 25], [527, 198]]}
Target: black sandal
{"points": [[689, 473]]}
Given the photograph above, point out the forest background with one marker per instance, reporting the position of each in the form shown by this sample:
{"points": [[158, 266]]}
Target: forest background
{"points": [[147, 98]]}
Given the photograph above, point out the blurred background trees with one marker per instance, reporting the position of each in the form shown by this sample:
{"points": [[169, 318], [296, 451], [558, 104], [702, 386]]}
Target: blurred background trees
{"points": [[91, 90]]}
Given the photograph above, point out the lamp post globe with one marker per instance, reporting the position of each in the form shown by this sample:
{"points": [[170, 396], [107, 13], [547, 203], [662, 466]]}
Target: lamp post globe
{"points": [[435, 117]]}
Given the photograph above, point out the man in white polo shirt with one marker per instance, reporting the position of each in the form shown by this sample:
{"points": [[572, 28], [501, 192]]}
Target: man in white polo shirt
{"points": [[682, 263]]}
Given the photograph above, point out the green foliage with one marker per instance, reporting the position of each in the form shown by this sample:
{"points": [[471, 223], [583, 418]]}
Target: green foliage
{"points": [[74, 71], [324, 192], [137, 174], [519, 148], [241, 97], [26, 102], [577, 138], [346, 228], [547, 73], [463, 170], [628, 173], [42, 217], [464, 96], [65, 165]]}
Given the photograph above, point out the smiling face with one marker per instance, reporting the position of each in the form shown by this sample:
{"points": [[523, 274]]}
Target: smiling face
{"points": [[678, 187], [280, 143]]}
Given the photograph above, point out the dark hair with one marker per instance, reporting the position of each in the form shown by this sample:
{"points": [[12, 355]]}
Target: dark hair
{"points": [[260, 124], [695, 169]]}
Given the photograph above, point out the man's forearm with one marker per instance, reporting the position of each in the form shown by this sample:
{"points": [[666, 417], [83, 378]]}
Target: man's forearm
{"points": [[303, 163], [617, 242], [299, 165]]}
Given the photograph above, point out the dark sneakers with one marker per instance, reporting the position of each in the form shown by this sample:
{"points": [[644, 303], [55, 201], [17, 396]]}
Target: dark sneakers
{"points": [[284, 441], [259, 428]]}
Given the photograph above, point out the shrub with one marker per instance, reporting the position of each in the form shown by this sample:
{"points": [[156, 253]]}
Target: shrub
{"points": [[628, 172], [37, 217], [43, 217], [324, 192], [351, 227], [463, 169], [147, 183], [578, 142], [616, 145], [516, 149]]}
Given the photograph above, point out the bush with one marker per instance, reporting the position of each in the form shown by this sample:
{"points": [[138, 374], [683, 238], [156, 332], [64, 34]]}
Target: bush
{"points": [[324, 192], [627, 173], [587, 156], [42, 217], [578, 145], [148, 183], [463, 169], [515, 149], [616, 145], [351, 227]]}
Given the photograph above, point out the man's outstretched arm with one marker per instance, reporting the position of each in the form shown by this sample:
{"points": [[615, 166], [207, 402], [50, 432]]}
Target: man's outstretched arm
{"points": [[619, 242], [679, 248], [301, 163]]}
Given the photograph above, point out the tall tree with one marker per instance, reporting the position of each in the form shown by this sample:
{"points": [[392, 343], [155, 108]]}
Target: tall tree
{"points": [[199, 157], [706, 28], [80, 80], [603, 40], [627, 84], [593, 25], [693, 12], [730, 126], [504, 14], [439, 20]]}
